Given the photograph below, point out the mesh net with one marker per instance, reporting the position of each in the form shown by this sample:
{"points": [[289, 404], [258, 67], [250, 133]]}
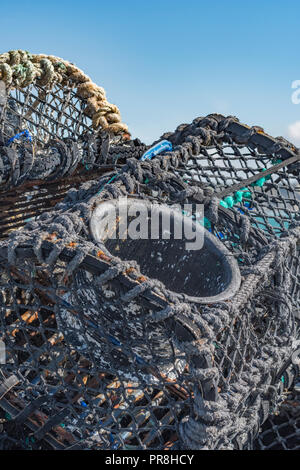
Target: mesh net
{"points": [[56, 129], [45, 113], [281, 431], [53, 171], [103, 354]]}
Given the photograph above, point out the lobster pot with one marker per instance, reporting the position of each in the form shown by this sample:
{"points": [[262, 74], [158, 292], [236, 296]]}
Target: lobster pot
{"points": [[57, 130], [117, 341]]}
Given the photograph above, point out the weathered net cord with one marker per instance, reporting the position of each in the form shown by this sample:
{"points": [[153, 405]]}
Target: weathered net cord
{"points": [[281, 432], [213, 420], [20, 68], [212, 130], [216, 127], [254, 178], [135, 172], [212, 405], [103, 195], [20, 163]]}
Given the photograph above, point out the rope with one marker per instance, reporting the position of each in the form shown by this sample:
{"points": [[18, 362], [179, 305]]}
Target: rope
{"points": [[234, 350], [19, 69]]}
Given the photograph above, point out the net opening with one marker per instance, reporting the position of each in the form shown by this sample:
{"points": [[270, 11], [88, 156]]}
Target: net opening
{"points": [[169, 246]]}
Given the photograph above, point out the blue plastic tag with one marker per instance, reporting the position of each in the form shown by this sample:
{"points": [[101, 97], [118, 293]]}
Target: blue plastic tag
{"points": [[162, 146]]}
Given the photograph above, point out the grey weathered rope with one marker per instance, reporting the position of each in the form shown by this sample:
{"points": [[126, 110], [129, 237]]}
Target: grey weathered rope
{"points": [[216, 418]]}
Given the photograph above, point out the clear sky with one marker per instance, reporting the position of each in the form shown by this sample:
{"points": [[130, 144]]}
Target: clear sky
{"points": [[167, 62]]}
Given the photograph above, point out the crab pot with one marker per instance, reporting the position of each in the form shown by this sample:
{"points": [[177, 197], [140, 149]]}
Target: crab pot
{"points": [[50, 140], [199, 268], [134, 343]]}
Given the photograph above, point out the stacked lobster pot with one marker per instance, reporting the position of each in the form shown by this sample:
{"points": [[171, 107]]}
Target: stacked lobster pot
{"points": [[57, 129], [156, 304]]}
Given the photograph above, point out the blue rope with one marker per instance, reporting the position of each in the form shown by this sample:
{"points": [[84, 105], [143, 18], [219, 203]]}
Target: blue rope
{"points": [[24, 133]]}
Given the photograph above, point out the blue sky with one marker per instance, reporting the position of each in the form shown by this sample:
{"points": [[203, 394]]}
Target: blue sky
{"points": [[167, 62]]}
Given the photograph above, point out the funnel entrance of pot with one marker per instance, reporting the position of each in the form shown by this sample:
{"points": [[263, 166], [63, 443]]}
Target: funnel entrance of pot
{"points": [[168, 246]]}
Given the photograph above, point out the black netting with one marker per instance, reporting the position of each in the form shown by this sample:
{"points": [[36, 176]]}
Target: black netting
{"points": [[48, 146], [57, 130], [281, 430], [32, 182], [56, 111], [109, 346]]}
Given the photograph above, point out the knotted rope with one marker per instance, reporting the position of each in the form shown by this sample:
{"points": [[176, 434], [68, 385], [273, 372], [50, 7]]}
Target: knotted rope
{"points": [[19, 69]]}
